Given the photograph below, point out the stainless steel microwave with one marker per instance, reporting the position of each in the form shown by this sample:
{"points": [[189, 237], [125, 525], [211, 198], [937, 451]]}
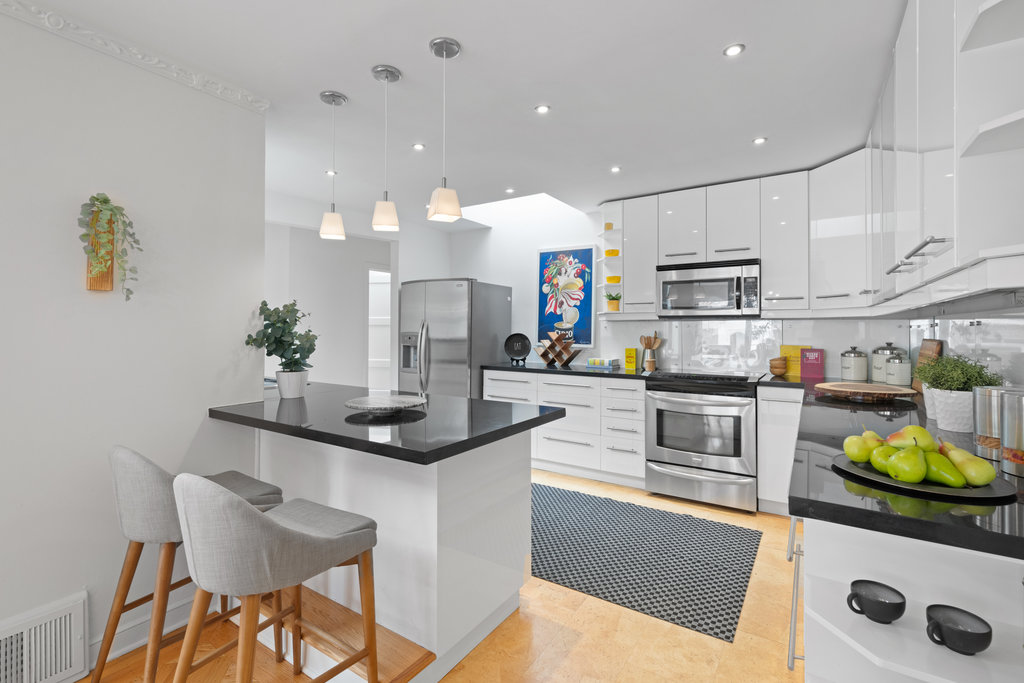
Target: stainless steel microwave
{"points": [[704, 290]]}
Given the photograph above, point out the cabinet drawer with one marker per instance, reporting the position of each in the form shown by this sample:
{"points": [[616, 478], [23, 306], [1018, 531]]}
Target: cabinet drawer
{"points": [[622, 456], [511, 379], [623, 408], [579, 387], [620, 428], [509, 394], [581, 414], [569, 448], [785, 394], [613, 387]]}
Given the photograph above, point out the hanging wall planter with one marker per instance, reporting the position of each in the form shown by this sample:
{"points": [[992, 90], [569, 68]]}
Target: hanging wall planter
{"points": [[108, 236]]}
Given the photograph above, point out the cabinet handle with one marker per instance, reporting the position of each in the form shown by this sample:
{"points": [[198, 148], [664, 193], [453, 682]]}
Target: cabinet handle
{"points": [[567, 384], [620, 429], [502, 379], [565, 403], [621, 450], [620, 389], [783, 298], [508, 398], [681, 253], [868, 291], [928, 241], [622, 410], [638, 303], [832, 296], [578, 443], [896, 268], [722, 251]]}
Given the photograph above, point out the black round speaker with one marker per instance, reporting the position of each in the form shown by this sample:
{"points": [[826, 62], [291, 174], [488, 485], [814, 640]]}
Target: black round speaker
{"points": [[517, 347]]}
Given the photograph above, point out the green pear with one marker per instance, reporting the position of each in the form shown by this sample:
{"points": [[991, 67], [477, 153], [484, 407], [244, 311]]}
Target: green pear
{"points": [[942, 471], [872, 438], [973, 510], [908, 465], [977, 471], [880, 458], [857, 489], [913, 435], [857, 448], [906, 506]]}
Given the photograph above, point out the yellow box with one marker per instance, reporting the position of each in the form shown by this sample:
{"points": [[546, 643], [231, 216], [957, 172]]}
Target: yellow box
{"points": [[630, 363], [791, 353], [609, 226], [613, 279], [611, 253]]}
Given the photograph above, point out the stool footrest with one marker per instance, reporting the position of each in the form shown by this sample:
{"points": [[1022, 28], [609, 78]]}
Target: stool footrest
{"points": [[215, 618], [149, 598], [341, 666], [228, 646]]}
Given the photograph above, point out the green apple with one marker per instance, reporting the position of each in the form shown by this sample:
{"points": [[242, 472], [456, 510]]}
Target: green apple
{"points": [[880, 458], [857, 448]]}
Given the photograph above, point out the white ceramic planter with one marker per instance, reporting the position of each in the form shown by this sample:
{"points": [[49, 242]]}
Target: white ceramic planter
{"points": [[954, 410], [293, 384], [929, 400]]}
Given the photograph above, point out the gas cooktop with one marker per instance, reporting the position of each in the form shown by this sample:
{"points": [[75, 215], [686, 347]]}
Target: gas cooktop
{"points": [[717, 382], [728, 376]]}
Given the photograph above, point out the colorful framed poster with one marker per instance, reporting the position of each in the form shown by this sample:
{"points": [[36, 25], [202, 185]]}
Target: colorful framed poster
{"points": [[565, 293]]}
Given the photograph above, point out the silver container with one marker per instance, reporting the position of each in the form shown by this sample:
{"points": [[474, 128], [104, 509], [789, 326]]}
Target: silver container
{"points": [[986, 410], [897, 371], [855, 365], [1011, 432], [878, 358]]}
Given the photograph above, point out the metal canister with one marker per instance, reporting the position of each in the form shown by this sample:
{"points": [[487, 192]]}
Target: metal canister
{"points": [[1011, 432], [897, 371], [878, 358], [855, 365], [987, 414]]}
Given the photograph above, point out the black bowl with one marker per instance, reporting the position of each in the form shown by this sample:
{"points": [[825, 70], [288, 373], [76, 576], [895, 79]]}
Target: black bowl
{"points": [[957, 629], [878, 602]]}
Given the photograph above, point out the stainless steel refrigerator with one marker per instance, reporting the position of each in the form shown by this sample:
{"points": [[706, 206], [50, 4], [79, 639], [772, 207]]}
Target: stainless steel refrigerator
{"points": [[447, 329]]}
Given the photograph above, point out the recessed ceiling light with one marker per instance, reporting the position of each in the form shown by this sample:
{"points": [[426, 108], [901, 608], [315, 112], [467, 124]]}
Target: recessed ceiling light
{"points": [[510, 190], [696, 230], [949, 175], [782, 222], [775, 197], [669, 211], [734, 49], [542, 109], [418, 146], [615, 169], [760, 141], [330, 172]]}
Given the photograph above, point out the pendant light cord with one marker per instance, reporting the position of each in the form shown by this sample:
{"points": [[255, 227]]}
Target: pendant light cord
{"points": [[387, 82], [444, 117], [334, 147]]}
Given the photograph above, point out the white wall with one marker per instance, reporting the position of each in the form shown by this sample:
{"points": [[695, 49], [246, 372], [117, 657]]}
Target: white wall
{"points": [[84, 370]]}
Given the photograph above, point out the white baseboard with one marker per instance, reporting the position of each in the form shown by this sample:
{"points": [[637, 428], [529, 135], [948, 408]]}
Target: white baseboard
{"points": [[773, 507], [586, 473]]}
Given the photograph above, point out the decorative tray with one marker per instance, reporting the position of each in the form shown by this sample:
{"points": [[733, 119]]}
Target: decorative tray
{"points": [[864, 392], [999, 492], [384, 405]]}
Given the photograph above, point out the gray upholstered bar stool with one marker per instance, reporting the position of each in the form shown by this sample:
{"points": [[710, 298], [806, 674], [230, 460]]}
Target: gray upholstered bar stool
{"points": [[233, 549], [144, 495]]}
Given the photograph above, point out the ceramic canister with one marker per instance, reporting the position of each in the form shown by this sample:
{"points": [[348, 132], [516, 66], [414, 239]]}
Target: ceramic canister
{"points": [[855, 365], [897, 371], [878, 358]]}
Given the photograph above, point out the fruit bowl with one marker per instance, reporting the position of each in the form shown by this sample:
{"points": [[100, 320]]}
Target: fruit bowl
{"points": [[1000, 491]]}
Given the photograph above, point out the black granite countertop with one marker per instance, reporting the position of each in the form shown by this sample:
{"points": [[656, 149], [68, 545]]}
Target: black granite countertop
{"points": [[817, 492], [445, 426], [582, 369]]}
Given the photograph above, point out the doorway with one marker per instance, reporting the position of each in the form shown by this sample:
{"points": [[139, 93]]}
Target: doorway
{"points": [[378, 362]]}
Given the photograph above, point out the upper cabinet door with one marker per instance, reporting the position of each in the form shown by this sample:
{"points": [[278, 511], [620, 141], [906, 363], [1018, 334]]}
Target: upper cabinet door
{"points": [[838, 245], [784, 235], [734, 220], [639, 253], [908, 161], [682, 227]]}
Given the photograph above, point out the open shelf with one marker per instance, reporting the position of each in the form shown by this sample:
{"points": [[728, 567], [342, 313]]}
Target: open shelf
{"points": [[999, 135], [997, 21], [610, 233], [608, 284], [904, 648], [611, 259]]}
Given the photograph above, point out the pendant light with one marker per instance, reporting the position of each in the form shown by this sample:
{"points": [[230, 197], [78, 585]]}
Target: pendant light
{"points": [[331, 227], [444, 202], [385, 215]]}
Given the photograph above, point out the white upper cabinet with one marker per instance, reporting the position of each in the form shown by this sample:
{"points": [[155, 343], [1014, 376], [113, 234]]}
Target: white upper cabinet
{"points": [[838, 244], [908, 164], [639, 253], [784, 236], [734, 221], [682, 227]]}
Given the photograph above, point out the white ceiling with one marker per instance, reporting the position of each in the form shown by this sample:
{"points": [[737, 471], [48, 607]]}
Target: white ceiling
{"points": [[640, 84]]}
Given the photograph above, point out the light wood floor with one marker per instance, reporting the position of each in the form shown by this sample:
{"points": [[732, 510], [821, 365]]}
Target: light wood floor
{"points": [[561, 635]]}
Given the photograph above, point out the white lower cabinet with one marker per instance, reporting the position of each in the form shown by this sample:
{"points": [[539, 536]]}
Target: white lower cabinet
{"points": [[622, 456], [568, 448], [778, 421]]}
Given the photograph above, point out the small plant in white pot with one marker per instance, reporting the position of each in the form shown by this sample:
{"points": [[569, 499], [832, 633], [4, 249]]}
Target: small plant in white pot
{"points": [[280, 338], [950, 383]]}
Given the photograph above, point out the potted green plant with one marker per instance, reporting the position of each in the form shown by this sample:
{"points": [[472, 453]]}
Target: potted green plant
{"points": [[280, 338], [108, 235], [613, 300], [950, 384]]}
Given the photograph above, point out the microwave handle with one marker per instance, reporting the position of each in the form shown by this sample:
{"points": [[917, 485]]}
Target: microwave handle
{"points": [[739, 291]]}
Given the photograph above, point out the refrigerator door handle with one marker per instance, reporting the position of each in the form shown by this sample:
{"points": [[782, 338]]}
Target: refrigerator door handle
{"points": [[425, 361], [419, 354]]}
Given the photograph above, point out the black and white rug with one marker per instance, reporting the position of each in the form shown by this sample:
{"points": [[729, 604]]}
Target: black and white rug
{"points": [[685, 570]]}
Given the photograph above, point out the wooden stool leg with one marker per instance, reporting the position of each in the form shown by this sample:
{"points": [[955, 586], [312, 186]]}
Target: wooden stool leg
{"points": [[223, 604], [200, 605], [156, 622], [124, 584], [278, 628], [297, 631], [369, 616], [247, 638]]}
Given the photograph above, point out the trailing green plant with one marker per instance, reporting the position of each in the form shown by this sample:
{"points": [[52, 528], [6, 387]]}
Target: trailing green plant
{"points": [[279, 337], [612, 297], [108, 234], [956, 373]]}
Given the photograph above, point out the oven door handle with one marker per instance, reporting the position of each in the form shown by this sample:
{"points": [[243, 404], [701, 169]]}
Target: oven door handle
{"points": [[709, 400], [687, 473]]}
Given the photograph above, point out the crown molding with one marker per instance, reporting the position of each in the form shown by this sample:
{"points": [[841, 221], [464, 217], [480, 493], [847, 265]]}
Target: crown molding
{"points": [[57, 24]]}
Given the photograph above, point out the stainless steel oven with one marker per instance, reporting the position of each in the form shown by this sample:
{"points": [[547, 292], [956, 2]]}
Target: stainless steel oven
{"points": [[730, 288], [703, 446]]}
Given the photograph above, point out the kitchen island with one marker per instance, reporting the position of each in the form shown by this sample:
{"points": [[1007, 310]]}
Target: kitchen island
{"points": [[447, 483], [969, 556]]}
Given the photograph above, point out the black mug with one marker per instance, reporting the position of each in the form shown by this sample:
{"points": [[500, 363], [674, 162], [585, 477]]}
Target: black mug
{"points": [[957, 629], [878, 602]]}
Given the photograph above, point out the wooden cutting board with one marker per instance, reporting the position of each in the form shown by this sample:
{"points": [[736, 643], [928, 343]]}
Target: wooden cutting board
{"points": [[864, 392], [930, 350]]}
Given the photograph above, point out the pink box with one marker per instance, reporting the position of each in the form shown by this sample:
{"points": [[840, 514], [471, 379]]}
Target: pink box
{"points": [[812, 363]]}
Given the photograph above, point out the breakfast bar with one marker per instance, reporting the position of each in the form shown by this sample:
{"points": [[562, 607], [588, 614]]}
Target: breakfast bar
{"points": [[449, 486]]}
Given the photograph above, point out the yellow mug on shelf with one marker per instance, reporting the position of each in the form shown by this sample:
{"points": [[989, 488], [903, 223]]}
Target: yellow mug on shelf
{"points": [[613, 279], [609, 253]]}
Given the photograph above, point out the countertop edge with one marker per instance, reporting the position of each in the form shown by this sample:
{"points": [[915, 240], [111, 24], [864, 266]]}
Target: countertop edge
{"points": [[579, 371]]}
